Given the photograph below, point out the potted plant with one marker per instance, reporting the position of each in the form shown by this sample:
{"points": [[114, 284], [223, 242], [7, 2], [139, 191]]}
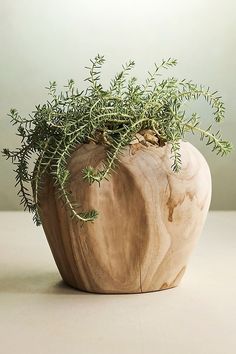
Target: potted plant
{"points": [[121, 195]]}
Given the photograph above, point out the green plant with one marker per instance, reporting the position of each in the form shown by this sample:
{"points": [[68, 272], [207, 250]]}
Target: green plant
{"points": [[111, 116]]}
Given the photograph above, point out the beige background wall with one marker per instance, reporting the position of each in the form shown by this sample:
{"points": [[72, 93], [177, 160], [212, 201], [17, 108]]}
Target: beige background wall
{"points": [[53, 39]]}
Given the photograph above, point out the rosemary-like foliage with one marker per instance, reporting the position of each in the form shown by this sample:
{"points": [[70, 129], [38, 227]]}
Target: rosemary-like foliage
{"points": [[112, 116]]}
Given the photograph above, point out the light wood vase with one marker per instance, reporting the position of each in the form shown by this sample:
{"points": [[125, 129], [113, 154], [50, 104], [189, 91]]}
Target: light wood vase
{"points": [[149, 220]]}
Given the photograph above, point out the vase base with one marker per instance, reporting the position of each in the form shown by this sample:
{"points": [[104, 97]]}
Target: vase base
{"points": [[117, 292]]}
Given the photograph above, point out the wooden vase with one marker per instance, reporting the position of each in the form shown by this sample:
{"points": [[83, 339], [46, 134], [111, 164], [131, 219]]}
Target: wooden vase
{"points": [[149, 219]]}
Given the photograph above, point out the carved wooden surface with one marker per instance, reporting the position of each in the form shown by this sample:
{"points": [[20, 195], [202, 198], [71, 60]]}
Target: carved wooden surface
{"points": [[149, 220]]}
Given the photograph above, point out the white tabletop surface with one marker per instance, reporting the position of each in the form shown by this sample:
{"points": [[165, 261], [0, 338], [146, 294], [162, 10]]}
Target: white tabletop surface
{"points": [[39, 314]]}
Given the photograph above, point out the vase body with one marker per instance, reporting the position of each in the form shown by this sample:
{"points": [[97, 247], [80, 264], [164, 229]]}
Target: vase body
{"points": [[149, 219]]}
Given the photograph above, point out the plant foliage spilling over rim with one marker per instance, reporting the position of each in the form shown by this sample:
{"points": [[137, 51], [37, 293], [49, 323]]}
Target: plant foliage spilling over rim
{"points": [[112, 116]]}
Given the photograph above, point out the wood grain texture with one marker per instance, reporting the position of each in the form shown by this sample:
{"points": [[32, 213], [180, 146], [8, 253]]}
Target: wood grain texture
{"points": [[149, 220]]}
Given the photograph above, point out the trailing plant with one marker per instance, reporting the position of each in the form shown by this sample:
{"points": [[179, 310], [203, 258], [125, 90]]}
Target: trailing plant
{"points": [[112, 116]]}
